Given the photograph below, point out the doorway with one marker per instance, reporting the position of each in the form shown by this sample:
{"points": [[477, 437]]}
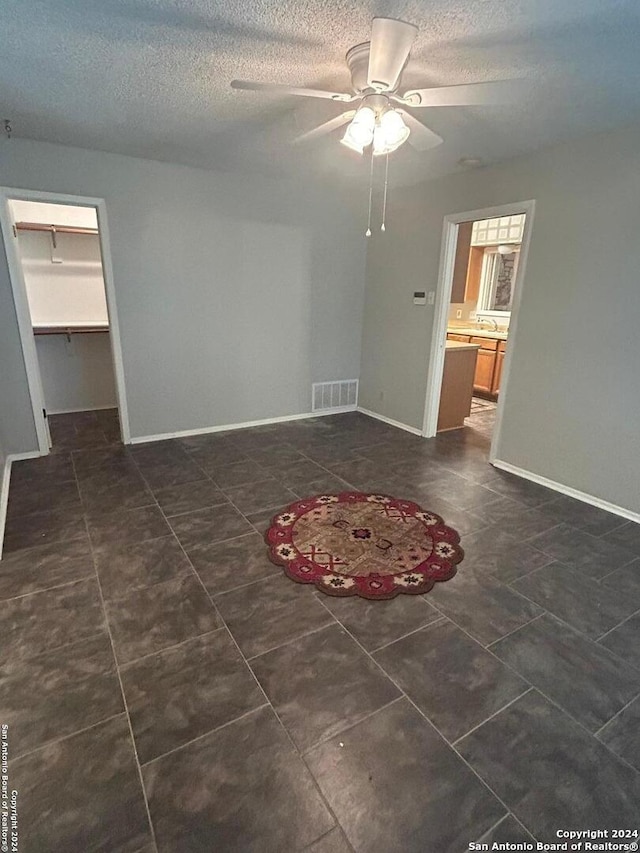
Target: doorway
{"points": [[482, 267], [59, 263]]}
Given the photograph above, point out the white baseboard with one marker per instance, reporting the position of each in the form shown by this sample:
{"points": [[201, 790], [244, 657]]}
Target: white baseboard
{"points": [[143, 439], [568, 490], [390, 421], [28, 454]]}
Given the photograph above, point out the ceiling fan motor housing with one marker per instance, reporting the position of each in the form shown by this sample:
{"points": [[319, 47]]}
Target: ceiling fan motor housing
{"points": [[358, 61]]}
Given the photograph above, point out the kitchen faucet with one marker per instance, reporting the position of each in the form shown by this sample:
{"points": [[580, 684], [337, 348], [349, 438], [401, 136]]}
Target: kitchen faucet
{"points": [[492, 321]]}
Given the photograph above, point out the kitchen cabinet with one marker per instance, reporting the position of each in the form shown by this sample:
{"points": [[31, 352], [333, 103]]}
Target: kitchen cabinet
{"points": [[457, 385], [474, 274], [467, 267], [461, 262], [489, 363], [485, 366], [497, 376]]}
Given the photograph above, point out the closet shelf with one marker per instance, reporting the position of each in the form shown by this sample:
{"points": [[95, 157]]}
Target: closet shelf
{"points": [[54, 229], [69, 330]]}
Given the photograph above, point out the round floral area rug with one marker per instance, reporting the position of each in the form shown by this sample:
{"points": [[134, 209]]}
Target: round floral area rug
{"points": [[353, 543]]}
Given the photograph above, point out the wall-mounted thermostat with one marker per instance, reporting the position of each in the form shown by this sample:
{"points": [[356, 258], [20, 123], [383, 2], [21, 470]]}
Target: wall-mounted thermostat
{"points": [[419, 297]]}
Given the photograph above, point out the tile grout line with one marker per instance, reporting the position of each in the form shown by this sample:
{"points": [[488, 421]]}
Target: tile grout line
{"points": [[325, 835], [595, 640], [491, 716], [122, 692], [626, 565], [543, 608], [366, 652], [133, 661], [224, 592], [523, 678], [497, 824], [440, 619], [351, 725], [515, 630], [588, 731], [535, 687], [260, 687], [47, 589], [204, 735], [430, 722], [615, 716], [437, 621], [289, 642], [615, 627], [63, 738]]}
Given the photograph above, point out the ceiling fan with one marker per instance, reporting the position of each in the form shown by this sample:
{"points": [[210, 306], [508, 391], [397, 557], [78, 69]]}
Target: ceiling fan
{"points": [[379, 116]]}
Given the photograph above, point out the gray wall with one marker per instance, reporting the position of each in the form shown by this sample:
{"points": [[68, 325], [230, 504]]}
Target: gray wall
{"points": [[572, 412], [234, 293]]}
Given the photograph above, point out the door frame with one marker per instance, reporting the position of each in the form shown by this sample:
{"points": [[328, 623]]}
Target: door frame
{"points": [[23, 312], [441, 311]]}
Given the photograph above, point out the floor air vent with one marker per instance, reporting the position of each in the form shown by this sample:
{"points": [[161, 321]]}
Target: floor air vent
{"points": [[335, 396]]}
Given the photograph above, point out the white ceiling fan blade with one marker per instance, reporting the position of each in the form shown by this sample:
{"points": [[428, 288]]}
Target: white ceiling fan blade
{"points": [[391, 43], [464, 95], [326, 127], [283, 89], [421, 137]]}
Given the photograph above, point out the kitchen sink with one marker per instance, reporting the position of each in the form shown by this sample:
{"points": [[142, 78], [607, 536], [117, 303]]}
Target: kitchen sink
{"points": [[479, 331]]}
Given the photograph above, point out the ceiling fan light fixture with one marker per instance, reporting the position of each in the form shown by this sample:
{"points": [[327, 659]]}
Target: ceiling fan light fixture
{"points": [[359, 133], [395, 130], [390, 133], [348, 142]]}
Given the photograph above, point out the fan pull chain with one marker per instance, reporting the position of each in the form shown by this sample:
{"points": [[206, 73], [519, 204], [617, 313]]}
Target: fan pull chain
{"points": [[367, 233], [384, 198]]}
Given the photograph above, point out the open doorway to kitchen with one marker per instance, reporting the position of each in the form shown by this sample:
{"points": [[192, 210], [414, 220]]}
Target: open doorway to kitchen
{"points": [[57, 248], [481, 275]]}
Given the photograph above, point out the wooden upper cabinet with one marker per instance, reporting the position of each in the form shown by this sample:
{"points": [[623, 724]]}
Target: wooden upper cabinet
{"points": [[474, 274], [467, 267], [461, 263]]}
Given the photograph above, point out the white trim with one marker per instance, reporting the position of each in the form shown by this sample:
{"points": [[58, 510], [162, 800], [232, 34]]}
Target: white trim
{"points": [[22, 306], [73, 411], [441, 312], [184, 433], [567, 490], [28, 454], [25, 327], [389, 421], [114, 326], [4, 498], [320, 413], [4, 486]]}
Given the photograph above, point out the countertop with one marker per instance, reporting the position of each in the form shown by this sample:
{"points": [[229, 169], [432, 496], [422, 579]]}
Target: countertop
{"points": [[461, 345], [478, 333]]}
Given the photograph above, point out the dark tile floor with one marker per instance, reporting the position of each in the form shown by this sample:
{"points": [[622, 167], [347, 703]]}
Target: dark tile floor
{"points": [[167, 689]]}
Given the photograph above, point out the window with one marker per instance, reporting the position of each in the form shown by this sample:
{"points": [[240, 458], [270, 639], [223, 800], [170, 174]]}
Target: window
{"points": [[497, 281], [502, 229]]}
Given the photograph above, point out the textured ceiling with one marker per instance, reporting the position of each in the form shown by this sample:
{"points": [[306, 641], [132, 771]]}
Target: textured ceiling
{"points": [[150, 78]]}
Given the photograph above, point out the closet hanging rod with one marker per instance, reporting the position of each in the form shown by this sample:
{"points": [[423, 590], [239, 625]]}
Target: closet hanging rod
{"points": [[54, 229], [69, 330]]}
